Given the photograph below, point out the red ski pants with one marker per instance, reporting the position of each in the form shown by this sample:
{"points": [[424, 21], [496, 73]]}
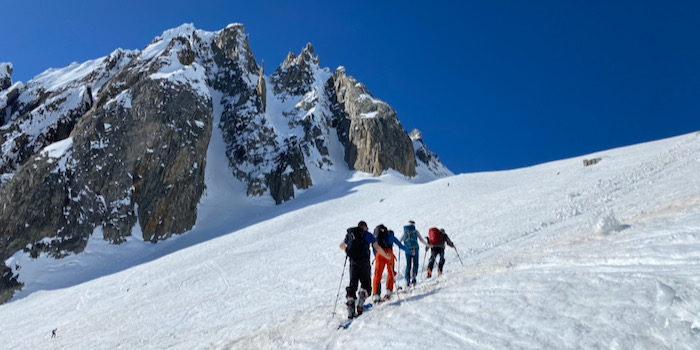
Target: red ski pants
{"points": [[379, 264]]}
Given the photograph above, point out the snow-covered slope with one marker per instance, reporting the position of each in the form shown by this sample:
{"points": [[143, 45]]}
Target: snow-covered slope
{"points": [[555, 256]]}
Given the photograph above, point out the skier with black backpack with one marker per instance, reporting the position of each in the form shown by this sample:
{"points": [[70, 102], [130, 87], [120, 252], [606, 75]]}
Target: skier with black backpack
{"points": [[356, 246], [386, 240], [437, 239]]}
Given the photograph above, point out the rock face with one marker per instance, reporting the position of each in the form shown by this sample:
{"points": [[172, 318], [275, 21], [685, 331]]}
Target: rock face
{"points": [[373, 137], [427, 158], [5, 75], [8, 284], [121, 143]]}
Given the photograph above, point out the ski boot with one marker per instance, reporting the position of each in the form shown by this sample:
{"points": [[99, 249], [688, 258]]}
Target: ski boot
{"points": [[430, 273], [362, 295], [350, 303]]}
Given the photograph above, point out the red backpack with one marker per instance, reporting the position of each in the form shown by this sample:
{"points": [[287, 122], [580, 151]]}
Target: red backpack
{"points": [[434, 236]]}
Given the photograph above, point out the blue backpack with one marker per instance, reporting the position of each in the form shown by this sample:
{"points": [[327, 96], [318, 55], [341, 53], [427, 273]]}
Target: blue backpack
{"points": [[410, 236]]}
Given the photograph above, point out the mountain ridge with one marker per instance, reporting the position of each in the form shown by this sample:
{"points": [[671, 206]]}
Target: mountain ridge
{"points": [[140, 123]]}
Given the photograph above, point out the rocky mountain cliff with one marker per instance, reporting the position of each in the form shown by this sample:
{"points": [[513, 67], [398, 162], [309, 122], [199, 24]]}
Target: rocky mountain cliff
{"points": [[103, 146]]}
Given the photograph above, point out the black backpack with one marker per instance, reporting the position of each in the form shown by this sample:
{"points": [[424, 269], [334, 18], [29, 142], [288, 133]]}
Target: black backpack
{"points": [[356, 246], [381, 233]]}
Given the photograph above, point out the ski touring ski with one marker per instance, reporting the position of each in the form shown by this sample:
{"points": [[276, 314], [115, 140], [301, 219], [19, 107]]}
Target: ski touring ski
{"points": [[345, 324]]}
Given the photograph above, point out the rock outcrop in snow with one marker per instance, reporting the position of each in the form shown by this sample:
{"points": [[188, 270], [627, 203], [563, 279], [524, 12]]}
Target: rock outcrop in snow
{"points": [[373, 137]]}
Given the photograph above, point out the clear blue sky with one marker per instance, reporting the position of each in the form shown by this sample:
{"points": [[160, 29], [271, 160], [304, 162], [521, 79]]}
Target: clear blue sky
{"points": [[492, 84]]}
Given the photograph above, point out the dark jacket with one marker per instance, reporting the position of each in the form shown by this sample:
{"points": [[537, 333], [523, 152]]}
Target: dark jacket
{"points": [[444, 238]]}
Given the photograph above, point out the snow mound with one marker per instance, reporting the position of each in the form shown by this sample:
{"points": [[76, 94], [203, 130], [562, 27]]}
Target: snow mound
{"points": [[607, 223]]}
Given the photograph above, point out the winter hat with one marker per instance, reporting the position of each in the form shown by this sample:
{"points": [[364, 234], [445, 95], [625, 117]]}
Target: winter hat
{"points": [[411, 222], [362, 224]]}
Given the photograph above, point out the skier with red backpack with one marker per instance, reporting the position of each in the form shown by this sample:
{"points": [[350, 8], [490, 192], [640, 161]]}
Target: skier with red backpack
{"points": [[437, 239], [356, 246], [386, 240]]}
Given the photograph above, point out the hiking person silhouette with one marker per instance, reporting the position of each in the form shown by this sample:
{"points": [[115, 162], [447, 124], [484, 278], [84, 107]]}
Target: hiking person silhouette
{"points": [[437, 239], [410, 239], [356, 246], [386, 240]]}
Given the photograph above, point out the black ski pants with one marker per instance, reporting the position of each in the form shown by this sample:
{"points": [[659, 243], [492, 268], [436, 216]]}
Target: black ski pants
{"points": [[360, 273], [434, 254]]}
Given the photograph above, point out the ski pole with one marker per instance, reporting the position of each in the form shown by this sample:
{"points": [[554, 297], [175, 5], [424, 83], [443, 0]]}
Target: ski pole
{"points": [[397, 272], [424, 256], [393, 274], [460, 259], [339, 285], [399, 264]]}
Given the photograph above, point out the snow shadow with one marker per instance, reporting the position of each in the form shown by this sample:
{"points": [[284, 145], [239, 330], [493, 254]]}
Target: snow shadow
{"points": [[102, 259], [407, 298]]}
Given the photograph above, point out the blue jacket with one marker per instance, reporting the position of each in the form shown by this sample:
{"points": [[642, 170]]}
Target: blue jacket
{"points": [[391, 240]]}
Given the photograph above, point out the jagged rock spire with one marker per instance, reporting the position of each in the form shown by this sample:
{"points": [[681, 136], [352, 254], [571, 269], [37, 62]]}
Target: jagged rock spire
{"points": [[295, 75], [261, 89], [5, 75]]}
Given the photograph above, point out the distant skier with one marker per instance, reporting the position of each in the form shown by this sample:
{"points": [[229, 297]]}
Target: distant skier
{"points": [[410, 240], [356, 246], [437, 239], [386, 240], [53, 333]]}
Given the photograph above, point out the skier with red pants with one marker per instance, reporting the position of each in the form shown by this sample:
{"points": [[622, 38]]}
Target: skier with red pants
{"points": [[386, 240]]}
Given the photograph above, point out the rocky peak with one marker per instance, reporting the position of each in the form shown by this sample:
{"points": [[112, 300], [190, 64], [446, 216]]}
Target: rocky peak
{"points": [[295, 75], [373, 137], [234, 43], [5, 75], [135, 137], [416, 135], [42, 112], [305, 58], [426, 157]]}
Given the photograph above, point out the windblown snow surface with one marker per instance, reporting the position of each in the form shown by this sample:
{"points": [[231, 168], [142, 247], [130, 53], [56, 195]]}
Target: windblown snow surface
{"points": [[554, 256]]}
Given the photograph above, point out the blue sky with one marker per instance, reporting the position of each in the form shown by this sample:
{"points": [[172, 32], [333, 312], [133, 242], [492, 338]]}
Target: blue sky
{"points": [[493, 85]]}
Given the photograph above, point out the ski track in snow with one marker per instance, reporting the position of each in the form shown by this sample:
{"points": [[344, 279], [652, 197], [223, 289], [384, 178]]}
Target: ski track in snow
{"points": [[556, 256]]}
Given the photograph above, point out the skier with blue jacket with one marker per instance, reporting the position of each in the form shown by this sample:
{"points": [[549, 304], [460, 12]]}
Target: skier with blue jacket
{"points": [[410, 239]]}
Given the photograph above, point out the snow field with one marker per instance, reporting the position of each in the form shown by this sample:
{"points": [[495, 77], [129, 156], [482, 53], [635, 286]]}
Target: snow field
{"points": [[555, 256]]}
